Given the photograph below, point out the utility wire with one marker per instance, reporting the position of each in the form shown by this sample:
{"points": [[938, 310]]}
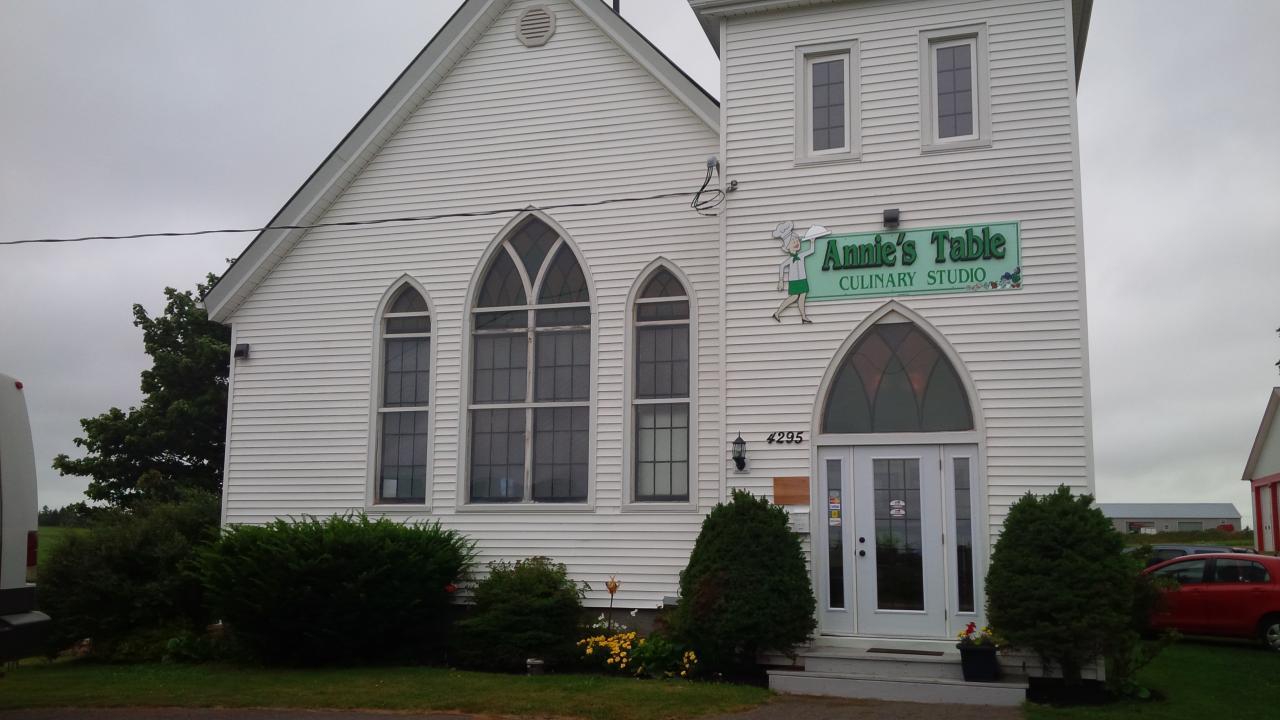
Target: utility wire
{"points": [[377, 221]]}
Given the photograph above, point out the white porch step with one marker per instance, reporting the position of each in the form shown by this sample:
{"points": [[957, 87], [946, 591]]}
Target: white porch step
{"points": [[884, 687], [841, 661]]}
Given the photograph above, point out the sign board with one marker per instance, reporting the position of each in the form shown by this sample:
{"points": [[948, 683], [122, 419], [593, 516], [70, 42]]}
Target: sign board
{"points": [[798, 522], [791, 490], [897, 503], [959, 258], [898, 512]]}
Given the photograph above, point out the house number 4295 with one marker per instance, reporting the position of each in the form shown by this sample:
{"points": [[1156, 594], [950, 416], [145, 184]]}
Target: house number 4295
{"points": [[790, 437]]}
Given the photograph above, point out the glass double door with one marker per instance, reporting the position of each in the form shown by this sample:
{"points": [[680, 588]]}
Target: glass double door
{"points": [[899, 540]]}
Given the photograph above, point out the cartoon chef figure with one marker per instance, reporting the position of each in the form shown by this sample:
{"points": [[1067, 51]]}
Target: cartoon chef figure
{"points": [[791, 273]]}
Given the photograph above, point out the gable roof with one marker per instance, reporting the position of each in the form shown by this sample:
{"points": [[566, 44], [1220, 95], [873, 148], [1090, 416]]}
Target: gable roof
{"points": [[709, 13], [1264, 430], [406, 93], [1215, 511]]}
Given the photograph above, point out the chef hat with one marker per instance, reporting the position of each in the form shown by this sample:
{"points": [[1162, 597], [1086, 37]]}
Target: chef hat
{"points": [[783, 231]]}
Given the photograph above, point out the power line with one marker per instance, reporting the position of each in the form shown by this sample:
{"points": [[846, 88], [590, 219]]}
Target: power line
{"points": [[377, 221]]}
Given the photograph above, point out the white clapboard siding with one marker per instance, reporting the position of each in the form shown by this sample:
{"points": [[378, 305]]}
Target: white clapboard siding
{"points": [[574, 120], [1024, 349]]}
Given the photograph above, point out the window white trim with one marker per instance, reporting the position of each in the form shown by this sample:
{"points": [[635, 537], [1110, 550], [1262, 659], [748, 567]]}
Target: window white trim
{"points": [[629, 399], [805, 57], [974, 36], [462, 491], [376, 410]]}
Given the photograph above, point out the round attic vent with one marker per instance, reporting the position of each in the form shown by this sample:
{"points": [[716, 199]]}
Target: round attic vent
{"points": [[536, 26]]}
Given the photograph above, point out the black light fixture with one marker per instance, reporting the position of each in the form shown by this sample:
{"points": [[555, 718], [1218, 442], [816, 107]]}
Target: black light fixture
{"points": [[891, 218], [740, 453], [242, 351]]}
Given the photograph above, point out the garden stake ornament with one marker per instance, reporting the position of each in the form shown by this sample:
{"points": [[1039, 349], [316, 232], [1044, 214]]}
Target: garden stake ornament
{"points": [[612, 586]]}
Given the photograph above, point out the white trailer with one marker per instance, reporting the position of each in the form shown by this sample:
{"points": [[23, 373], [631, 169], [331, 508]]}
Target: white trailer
{"points": [[21, 625]]}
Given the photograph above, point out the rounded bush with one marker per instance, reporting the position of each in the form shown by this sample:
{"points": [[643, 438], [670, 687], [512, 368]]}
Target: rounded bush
{"points": [[527, 609], [339, 589], [127, 583], [1059, 582], [746, 588]]}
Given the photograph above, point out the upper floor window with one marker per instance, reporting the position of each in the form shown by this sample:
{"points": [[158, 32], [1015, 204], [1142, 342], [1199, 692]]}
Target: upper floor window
{"points": [[953, 88], [405, 399], [531, 373], [826, 102], [660, 395]]}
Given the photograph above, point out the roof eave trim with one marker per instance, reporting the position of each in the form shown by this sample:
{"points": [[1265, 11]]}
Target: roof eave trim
{"points": [[1083, 11], [309, 199], [648, 56], [412, 85], [709, 13], [1268, 417]]}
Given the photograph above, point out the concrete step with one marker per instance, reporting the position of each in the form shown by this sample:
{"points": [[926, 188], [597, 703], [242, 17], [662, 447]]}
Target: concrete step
{"points": [[841, 661], [882, 687]]}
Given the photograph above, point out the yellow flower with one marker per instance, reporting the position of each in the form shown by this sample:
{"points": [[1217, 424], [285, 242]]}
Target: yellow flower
{"points": [[684, 673], [588, 650]]}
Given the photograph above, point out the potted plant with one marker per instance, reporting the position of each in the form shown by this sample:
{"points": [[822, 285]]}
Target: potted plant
{"points": [[978, 654]]}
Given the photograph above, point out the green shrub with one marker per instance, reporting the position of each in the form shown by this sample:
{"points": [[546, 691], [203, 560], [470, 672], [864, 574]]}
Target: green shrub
{"points": [[1059, 582], [127, 582], [659, 656], [746, 588], [1131, 651], [527, 609], [340, 589]]}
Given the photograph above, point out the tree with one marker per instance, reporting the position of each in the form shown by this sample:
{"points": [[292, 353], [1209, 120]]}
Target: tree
{"points": [[1059, 583], [173, 441]]}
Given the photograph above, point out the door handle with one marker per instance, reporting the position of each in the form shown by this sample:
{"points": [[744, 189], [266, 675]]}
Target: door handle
{"points": [[862, 553], [862, 539]]}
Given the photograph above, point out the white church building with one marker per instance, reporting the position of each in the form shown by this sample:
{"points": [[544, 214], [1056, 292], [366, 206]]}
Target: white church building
{"points": [[880, 292]]}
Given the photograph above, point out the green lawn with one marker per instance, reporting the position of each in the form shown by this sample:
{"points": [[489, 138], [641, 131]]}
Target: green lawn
{"points": [[52, 538], [1197, 680], [82, 684]]}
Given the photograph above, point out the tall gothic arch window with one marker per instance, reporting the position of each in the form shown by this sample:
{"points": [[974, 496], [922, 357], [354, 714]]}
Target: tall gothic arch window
{"points": [[660, 392], [896, 379], [531, 373], [405, 404]]}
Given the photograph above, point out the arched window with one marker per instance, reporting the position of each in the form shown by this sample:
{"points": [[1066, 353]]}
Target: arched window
{"points": [[896, 379], [660, 393], [531, 373], [405, 399]]}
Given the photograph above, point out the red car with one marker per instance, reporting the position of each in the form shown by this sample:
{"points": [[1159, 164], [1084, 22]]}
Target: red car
{"points": [[1223, 594]]}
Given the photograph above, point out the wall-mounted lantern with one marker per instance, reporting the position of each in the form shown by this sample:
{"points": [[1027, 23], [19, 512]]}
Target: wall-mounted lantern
{"points": [[242, 351], [891, 217], [740, 453]]}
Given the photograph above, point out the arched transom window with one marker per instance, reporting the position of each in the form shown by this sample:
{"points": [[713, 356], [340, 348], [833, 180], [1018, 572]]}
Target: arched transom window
{"points": [[896, 379], [531, 373], [660, 395], [405, 403]]}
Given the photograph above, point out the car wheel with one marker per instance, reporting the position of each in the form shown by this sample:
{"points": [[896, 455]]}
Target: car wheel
{"points": [[1270, 633]]}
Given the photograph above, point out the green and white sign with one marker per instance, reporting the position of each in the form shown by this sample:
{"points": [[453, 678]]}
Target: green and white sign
{"points": [[964, 258], [961, 258]]}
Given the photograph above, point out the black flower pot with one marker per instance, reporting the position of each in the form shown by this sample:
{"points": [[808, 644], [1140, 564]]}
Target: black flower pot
{"points": [[979, 663]]}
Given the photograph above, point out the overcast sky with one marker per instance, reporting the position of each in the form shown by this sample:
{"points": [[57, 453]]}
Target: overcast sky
{"points": [[135, 116]]}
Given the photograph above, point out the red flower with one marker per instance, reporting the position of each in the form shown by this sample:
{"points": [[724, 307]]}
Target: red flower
{"points": [[451, 588]]}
